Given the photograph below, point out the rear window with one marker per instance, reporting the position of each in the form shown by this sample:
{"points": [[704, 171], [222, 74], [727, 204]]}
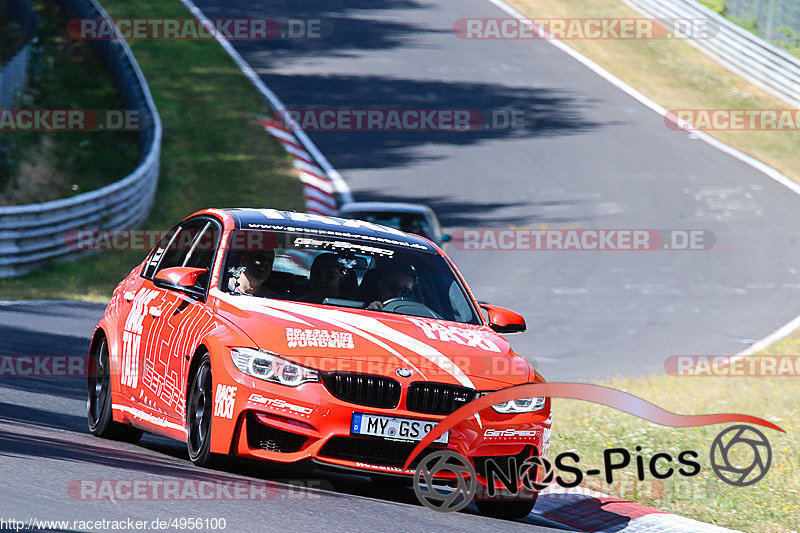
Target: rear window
{"points": [[409, 222]]}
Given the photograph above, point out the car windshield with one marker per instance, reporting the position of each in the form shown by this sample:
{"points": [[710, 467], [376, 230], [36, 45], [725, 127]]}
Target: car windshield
{"points": [[345, 272], [408, 222]]}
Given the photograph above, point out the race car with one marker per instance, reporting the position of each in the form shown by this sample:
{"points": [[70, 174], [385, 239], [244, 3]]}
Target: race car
{"points": [[288, 337], [411, 218]]}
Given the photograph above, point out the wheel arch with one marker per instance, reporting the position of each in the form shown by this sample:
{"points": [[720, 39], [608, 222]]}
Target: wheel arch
{"points": [[99, 333], [196, 357], [97, 337], [216, 343]]}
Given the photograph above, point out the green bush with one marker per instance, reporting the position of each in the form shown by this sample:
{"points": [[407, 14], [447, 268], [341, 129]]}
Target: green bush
{"points": [[63, 74], [717, 6], [791, 41], [10, 38], [8, 164]]}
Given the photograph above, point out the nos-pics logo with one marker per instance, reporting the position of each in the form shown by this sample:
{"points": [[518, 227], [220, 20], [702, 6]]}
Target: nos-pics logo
{"points": [[446, 481]]}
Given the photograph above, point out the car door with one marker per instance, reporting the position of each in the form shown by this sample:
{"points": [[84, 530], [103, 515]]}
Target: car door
{"points": [[179, 320], [151, 373], [141, 302]]}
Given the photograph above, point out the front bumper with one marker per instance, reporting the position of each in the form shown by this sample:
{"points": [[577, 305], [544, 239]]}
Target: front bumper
{"points": [[286, 424]]}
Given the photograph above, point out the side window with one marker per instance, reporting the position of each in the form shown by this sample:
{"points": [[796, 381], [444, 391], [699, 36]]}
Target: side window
{"points": [[157, 254], [191, 244], [181, 244], [459, 304], [201, 253]]}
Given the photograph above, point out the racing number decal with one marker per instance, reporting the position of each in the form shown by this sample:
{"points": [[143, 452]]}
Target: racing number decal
{"points": [[132, 337]]}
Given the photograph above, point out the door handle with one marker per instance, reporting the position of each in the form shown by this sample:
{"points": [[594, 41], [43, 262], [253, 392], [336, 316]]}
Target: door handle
{"points": [[155, 312], [129, 296]]}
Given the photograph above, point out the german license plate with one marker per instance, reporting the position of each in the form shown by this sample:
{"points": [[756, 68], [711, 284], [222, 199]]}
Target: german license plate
{"points": [[393, 428]]}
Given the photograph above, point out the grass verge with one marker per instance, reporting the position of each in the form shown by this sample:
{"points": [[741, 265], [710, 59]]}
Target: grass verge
{"points": [[214, 153], [677, 76], [772, 504]]}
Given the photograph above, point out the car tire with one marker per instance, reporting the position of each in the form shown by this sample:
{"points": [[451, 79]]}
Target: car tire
{"points": [[99, 406], [510, 510], [199, 411]]}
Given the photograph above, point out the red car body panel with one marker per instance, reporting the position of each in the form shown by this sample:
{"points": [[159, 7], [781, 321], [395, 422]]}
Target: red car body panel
{"points": [[154, 335]]}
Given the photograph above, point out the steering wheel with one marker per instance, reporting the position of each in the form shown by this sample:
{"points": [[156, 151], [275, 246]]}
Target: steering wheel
{"points": [[409, 307]]}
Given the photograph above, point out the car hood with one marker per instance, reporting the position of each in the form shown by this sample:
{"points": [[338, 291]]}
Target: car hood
{"points": [[356, 340]]}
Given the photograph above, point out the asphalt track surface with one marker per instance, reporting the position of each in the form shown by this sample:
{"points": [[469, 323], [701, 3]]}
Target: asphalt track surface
{"points": [[593, 158], [46, 451]]}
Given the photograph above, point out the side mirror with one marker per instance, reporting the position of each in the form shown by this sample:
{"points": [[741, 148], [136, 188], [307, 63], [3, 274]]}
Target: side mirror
{"points": [[446, 237], [181, 279], [503, 320]]}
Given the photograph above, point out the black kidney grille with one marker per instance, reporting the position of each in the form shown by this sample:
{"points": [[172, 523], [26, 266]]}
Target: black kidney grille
{"points": [[437, 398], [363, 389]]}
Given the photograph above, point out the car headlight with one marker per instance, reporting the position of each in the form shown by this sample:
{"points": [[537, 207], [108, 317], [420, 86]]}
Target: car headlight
{"points": [[268, 366], [523, 405]]}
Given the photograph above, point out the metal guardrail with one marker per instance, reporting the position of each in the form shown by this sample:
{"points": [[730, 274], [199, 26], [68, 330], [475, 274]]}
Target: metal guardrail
{"points": [[13, 76], [14, 72], [737, 49], [33, 234]]}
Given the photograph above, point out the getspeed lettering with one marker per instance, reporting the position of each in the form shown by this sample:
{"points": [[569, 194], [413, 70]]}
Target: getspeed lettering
{"points": [[282, 405], [509, 433]]}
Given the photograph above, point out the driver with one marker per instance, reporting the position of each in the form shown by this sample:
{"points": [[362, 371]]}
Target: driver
{"points": [[396, 282], [257, 268]]}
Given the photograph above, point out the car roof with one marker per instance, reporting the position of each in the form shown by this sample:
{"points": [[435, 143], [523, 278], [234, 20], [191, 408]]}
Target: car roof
{"points": [[385, 207], [266, 219]]}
